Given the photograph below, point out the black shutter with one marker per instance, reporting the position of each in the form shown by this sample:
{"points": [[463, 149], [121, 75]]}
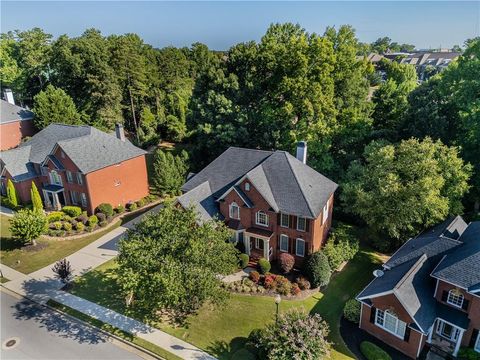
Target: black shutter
{"points": [[278, 218], [444, 295], [307, 225], [373, 312], [474, 337], [407, 334], [465, 304]]}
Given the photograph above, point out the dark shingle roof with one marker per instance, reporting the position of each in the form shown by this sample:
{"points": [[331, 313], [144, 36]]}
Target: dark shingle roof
{"points": [[89, 148], [10, 113], [200, 198]]}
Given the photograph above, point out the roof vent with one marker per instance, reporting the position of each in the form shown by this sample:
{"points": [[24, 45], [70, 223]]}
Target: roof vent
{"points": [[378, 273]]}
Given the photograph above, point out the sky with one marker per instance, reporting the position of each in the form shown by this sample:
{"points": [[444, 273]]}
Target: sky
{"points": [[220, 24]]}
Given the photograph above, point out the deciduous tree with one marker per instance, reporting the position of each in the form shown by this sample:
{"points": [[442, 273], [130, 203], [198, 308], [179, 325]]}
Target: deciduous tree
{"points": [[27, 225], [53, 105]]}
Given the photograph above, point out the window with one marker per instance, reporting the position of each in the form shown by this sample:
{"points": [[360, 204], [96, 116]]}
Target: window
{"points": [[79, 178], [44, 170], [83, 199], [62, 154], [300, 247], [390, 323], [69, 176], [301, 223], [262, 218], [234, 211], [55, 178], [447, 331], [74, 197], [284, 243], [247, 186], [455, 298], [477, 344], [284, 220], [117, 182], [325, 211], [258, 243]]}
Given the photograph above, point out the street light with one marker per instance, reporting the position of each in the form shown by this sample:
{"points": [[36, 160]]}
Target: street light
{"points": [[278, 300]]}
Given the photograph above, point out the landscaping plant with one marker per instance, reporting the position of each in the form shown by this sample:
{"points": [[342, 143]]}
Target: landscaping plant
{"points": [[244, 259], [12, 195], [36, 199], [373, 352], [63, 270], [104, 208], [169, 172], [264, 265], [27, 225], [286, 262], [351, 311], [317, 269], [72, 211]]}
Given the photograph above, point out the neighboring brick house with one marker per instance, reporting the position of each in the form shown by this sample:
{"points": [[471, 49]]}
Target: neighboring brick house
{"points": [[77, 165], [428, 294], [16, 123], [271, 201]]}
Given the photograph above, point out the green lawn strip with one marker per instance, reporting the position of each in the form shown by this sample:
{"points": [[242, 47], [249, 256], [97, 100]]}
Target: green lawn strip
{"points": [[3, 280], [5, 227], [29, 261], [115, 331], [222, 331]]}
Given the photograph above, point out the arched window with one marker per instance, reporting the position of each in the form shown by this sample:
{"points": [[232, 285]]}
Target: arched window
{"points": [[234, 211], [262, 218], [455, 298]]}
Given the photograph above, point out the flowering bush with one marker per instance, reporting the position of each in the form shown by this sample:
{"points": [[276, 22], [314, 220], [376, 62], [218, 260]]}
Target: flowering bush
{"points": [[286, 262], [295, 289], [254, 276], [269, 282]]}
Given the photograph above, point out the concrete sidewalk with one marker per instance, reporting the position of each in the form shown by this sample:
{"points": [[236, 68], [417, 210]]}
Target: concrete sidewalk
{"points": [[6, 211]]}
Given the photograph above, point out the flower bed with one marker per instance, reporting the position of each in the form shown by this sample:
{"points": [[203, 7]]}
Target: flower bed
{"points": [[72, 221]]}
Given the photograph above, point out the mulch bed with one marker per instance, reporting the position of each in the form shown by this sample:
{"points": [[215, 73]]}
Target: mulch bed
{"points": [[353, 336], [32, 248]]}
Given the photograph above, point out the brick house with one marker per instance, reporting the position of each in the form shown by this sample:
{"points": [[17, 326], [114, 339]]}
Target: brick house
{"points": [[271, 201], [428, 293], [16, 123], [76, 165]]}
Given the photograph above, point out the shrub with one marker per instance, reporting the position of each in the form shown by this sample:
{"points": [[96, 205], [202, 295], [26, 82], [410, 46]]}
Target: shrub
{"points": [[101, 216], [103, 223], [243, 354], [67, 226], [317, 269], [342, 246], [243, 259], [72, 211], [63, 270], [73, 222], [27, 225], [12, 195], [254, 276], [308, 331], [468, 354], [286, 262], [120, 209], [55, 216], [373, 352], [57, 225], [80, 226], [264, 265], [141, 203], [269, 282], [351, 311], [247, 282], [67, 218], [132, 206], [92, 220], [295, 289], [303, 283], [83, 219], [283, 286], [104, 208], [150, 198]]}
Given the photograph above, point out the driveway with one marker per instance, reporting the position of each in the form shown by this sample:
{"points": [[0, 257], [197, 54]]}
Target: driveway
{"points": [[44, 334]]}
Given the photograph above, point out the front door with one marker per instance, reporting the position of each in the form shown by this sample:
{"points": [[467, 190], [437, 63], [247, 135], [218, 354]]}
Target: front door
{"points": [[447, 331], [61, 198]]}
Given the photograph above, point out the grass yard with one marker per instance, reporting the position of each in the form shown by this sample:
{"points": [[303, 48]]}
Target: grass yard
{"points": [[50, 250], [223, 331]]}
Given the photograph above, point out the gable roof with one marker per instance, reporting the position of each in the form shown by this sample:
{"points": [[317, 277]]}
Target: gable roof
{"points": [[11, 113], [200, 198], [89, 148], [286, 183]]}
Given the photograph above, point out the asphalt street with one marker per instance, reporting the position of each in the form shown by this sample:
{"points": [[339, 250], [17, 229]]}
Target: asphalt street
{"points": [[41, 333]]}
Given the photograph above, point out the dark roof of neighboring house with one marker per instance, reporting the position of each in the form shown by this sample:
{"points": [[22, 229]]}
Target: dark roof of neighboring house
{"points": [[10, 113], [462, 267], [451, 250], [286, 183], [89, 148]]}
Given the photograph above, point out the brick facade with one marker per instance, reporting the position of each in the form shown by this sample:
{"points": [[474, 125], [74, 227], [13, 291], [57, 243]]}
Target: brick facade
{"points": [[12, 133]]}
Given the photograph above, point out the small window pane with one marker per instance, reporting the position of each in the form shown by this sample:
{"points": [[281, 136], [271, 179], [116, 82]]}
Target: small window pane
{"points": [[284, 220], [300, 247], [284, 243], [301, 223]]}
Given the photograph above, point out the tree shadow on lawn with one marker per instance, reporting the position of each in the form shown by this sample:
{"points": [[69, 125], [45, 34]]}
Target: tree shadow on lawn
{"points": [[226, 351], [9, 243]]}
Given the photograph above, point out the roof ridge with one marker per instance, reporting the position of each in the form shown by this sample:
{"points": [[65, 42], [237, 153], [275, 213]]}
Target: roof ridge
{"points": [[257, 150], [298, 183]]}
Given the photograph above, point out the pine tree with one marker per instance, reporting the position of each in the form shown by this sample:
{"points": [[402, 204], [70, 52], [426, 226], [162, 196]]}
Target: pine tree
{"points": [[170, 172], [12, 194], [36, 199]]}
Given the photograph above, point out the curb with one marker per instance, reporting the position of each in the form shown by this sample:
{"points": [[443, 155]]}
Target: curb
{"points": [[150, 354]]}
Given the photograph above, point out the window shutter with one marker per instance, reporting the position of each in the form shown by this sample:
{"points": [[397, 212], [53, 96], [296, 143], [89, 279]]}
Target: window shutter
{"points": [[373, 312], [474, 337], [444, 295], [307, 225], [292, 224], [278, 242], [406, 338], [465, 304], [279, 215]]}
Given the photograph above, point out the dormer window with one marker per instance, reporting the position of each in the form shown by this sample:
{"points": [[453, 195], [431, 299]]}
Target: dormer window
{"points": [[261, 218], [234, 211], [455, 298], [247, 186]]}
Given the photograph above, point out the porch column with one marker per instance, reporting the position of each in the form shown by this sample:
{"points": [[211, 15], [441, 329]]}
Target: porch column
{"points": [[459, 341], [266, 248], [430, 334], [56, 201], [246, 242]]}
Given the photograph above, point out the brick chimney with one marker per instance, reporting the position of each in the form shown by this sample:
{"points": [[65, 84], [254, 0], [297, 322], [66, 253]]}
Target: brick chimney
{"points": [[119, 132], [302, 151]]}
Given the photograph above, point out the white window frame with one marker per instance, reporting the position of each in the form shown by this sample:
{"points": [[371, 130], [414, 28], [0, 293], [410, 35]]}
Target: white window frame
{"points": [[44, 170], [69, 176], [283, 237], [230, 210], [304, 224], [380, 319], [247, 186], [476, 346], [257, 218], [281, 220], [455, 299], [325, 211], [297, 241], [83, 199], [54, 176], [73, 197], [257, 244], [440, 330], [79, 178]]}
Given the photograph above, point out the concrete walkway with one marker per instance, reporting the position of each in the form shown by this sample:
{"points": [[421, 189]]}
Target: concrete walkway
{"points": [[238, 275], [6, 211], [41, 286]]}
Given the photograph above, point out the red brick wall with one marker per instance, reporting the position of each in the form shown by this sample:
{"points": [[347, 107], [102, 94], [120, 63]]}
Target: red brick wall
{"points": [[23, 188], [416, 339], [12, 133], [132, 175]]}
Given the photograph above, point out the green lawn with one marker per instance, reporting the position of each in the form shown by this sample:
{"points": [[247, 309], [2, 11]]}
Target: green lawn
{"points": [[50, 250], [222, 331]]}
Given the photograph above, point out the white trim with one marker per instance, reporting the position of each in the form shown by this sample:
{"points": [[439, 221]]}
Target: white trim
{"points": [[240, 195], [420, 344], [288, 221], [375, 295], [460, 297], [398, 321], [305, 219], [436, 289], [280, 242], [266, 217], [476, 346], [296, 247], [230, 212], [361, 314]]}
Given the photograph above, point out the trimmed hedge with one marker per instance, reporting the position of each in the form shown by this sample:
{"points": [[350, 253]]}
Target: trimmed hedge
{"points": [[92, 220], [72, 211], [264, 265], [105, 208], [373, 352], [55, 216], [351, 311], [244, 259], [120, 209], [317, 269]]}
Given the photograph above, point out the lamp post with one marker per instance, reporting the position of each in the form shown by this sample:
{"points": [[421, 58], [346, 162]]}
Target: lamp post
{"points": [[278, 300]]}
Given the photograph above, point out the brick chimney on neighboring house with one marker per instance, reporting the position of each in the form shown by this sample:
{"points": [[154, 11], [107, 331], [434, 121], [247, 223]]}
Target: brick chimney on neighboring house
{"points": [[119, 132], [302, 151]]}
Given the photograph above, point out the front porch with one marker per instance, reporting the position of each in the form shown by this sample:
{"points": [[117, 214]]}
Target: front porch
{"points": [[53, 197], [446, 337], [257, 244]]}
